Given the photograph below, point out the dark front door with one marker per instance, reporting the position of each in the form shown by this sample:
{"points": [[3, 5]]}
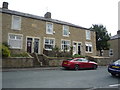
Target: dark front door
{"points": [[29, 45], [36, 45], [79, 48]]}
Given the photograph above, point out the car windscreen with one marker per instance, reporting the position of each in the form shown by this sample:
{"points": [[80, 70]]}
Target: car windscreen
{"points": [[117, 62], [85, 60]]}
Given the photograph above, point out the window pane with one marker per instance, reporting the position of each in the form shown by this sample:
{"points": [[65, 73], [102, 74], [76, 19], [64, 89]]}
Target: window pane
{"points": [[51, 41], [111, 52], [79, 44], [49, 28], [18, 37], [15, 43], [12, 36], [90, 49], [46, 41], [65, 45], [88, 35], [16, 23], [65, 30], [49, 44]]}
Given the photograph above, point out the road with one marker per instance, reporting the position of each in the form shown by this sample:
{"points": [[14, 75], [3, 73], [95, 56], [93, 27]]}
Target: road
{"points": [[99, 78]]}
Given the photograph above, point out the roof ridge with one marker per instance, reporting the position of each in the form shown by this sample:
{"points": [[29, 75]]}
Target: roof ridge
{"points": [[39, 17]]}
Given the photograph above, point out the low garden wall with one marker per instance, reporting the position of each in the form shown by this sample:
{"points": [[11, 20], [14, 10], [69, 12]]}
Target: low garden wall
{"points": [[21, 62], [102, 61], [56, 62], [51, 61], [17, 62]]}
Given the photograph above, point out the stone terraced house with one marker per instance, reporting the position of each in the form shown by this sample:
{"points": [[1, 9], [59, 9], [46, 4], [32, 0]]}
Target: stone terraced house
{"points": [[114, 51], [31, 33]]}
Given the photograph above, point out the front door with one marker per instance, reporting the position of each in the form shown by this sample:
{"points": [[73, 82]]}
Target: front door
{"points": [[33, 45], [29, 45], [76, 48], [79, 48], [36, 45]]}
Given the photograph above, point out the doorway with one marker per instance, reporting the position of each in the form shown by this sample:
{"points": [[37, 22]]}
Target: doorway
{"points": [[76, 48], [33, 45]]}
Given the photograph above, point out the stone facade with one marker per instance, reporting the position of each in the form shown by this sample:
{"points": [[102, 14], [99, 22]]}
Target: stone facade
{"points": [[115, 46], [34, 27]]}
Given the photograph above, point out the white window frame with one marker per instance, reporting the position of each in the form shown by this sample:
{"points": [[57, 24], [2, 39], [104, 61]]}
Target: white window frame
{"points": [[49, 43], [15, 39], [47, 23], [89, 44], [64, 28], [13, 23], [88, 35], [63, 44]]}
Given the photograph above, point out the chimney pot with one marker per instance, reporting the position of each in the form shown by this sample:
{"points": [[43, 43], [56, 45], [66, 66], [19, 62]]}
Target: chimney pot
{"points": [[5, 5], [47, 15]]}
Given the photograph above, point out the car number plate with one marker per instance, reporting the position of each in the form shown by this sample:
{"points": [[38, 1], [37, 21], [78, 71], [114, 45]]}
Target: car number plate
{"points": [[115, 67], [65, 63]]}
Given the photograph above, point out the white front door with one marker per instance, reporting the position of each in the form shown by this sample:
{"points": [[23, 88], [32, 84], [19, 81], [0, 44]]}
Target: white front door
{"points": [[76, 48]]}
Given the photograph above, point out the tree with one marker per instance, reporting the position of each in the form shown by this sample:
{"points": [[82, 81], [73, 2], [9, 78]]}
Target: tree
{"points": [[102, 37]]}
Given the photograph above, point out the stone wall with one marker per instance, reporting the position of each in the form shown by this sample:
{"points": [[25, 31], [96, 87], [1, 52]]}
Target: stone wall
{"points": [[102, 61], [115, 46], [56, 62], [17, 62]]}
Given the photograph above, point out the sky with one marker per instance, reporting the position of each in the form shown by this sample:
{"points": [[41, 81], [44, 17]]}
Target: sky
{"points": [[84, 13]]}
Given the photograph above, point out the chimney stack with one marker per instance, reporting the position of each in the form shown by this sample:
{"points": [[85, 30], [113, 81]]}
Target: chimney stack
{"points": [[47, 15], [5, 5], [118, 32]]}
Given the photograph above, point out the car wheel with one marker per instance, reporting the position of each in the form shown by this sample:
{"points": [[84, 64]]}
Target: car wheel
{"points": [[113, 74], [76, 67], [94, 66]]}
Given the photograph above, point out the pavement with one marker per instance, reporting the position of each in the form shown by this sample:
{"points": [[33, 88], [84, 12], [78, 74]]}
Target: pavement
{"points": [[34, 68]]}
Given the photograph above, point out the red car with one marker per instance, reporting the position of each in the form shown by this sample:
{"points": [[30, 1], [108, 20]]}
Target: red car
{"points": [[79, 63]]}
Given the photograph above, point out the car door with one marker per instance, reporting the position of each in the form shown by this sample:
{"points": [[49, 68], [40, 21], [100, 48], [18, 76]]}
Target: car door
{"points": [[85, 63], [80, 63]]}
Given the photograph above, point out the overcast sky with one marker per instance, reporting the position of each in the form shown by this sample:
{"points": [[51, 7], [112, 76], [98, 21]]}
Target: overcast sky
{"points": [[80, 12]]}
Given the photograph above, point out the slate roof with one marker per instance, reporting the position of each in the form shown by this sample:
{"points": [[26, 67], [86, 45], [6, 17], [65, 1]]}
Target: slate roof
{"points": [[115, 37], [39, 18]]}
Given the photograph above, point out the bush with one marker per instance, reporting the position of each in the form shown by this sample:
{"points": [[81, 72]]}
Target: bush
{"points": [[24, 54], [4, 50], [78, 56]]}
